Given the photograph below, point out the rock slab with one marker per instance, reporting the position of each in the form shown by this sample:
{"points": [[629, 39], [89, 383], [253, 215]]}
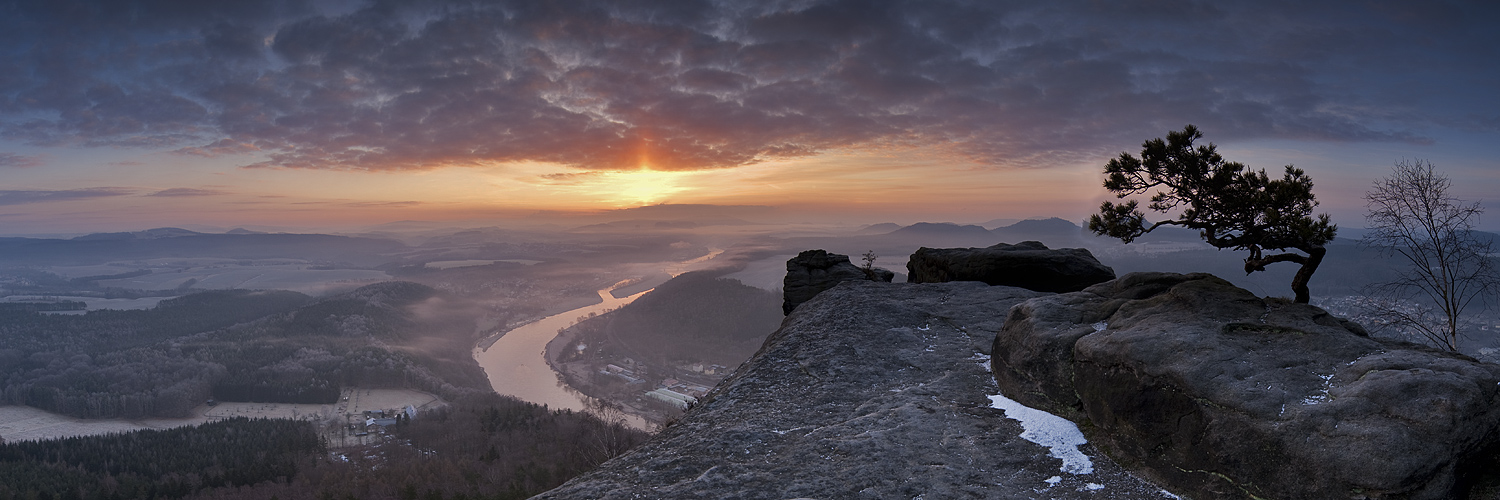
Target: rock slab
{"points": [[868, 391], [813, 271], [1029, 264], [1218, 393]]}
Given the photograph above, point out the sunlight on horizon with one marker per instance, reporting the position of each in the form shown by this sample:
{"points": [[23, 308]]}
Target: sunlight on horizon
{"points": [[642, 187]]}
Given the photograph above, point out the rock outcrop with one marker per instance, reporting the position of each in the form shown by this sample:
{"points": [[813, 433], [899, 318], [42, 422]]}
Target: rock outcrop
{"points": [[813, 271], [1029, 264], [870, 390], [1221, 394]]}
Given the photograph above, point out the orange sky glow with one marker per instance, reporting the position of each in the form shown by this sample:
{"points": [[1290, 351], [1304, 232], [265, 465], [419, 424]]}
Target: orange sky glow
{"points": [[336, 116]]}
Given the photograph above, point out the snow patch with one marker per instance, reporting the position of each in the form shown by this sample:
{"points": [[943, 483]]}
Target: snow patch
{"points": [[983, 360], [1052, 431], [1052, 481], [1100, 326], [1322, 395], [1093, 486]]}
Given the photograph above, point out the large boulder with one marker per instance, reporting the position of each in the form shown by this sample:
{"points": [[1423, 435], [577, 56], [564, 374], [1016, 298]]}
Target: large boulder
{"points": [[1218, 393], [1028, 264], [813, 271]]}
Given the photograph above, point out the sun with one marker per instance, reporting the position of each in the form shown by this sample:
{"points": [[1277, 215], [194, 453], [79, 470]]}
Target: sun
{"points": [[641, 187]]}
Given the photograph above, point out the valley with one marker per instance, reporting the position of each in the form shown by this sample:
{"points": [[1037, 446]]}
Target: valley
{"points": [[616, 333]]}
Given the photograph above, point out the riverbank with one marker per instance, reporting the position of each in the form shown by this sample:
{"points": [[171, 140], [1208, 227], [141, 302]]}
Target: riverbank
{"points": [[556, 309], [516, 361], [579, 376]]}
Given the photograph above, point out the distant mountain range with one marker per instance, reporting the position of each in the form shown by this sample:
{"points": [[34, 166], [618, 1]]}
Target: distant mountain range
{"points": [[176, 242], [1052, 231]]}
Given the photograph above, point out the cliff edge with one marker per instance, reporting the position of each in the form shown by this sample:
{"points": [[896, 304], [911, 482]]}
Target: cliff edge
{"points": [[869, 390]]}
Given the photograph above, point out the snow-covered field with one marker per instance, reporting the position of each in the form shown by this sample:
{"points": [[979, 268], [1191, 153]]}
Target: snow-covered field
{"points": [[95, 303], [23, 423]]}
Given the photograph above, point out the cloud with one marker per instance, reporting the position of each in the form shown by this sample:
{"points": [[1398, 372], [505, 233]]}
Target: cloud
{"points": [[694, 84], [221, 147], [19, 161], [382, 204], [21, 197], [185, 192], [564, 178]]}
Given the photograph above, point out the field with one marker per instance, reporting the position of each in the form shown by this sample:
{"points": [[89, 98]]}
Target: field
{"points": [[93, 303], [21, 423], [213, 273], [450, 264]]}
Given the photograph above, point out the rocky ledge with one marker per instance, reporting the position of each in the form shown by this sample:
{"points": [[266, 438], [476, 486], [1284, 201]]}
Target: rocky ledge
{"points": [[882, 390], [1028, 264], [869, 390], [813, 271], [1221, 394]]}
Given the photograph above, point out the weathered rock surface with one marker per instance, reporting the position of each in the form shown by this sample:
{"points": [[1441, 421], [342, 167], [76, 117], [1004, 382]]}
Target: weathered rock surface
{"points": [[870, 390], [813, 271], [1221, 394], [1028, 264]]}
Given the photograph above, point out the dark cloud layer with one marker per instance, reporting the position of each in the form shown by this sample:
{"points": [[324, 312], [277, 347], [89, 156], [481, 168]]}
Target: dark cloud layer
{"points": [[21, 197], [185, 192], [695, 84], [18, 161]]}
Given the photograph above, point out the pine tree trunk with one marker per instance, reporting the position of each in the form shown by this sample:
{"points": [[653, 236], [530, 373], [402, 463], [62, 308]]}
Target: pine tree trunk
{"points": [[1299, 282]]}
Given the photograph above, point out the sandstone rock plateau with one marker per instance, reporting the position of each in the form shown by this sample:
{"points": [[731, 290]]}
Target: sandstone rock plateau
{"points": [[870, 390], [1028, 264], [1218, 393]]}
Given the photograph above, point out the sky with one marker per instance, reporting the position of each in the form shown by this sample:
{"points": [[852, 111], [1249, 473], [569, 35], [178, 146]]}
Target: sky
{"points": [[125, 115]]}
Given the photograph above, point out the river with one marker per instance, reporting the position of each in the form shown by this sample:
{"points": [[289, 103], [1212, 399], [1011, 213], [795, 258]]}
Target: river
{"points": [[517, 364]]}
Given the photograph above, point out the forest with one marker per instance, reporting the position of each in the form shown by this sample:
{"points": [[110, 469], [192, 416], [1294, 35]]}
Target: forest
{"points": [[695, 317], [235, 345], [170, 463], [485, 447]]}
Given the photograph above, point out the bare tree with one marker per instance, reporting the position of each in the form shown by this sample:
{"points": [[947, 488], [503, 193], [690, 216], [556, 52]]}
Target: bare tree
{"points": [[1412, 215], [869, 266]]}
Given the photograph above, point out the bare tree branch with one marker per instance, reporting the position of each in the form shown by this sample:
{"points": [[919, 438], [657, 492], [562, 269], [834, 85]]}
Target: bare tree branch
{"points": [[1449, 265]]}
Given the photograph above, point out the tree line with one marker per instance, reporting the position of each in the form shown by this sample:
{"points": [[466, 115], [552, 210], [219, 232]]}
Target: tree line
{"points": [[171, 463], [484, 447]]}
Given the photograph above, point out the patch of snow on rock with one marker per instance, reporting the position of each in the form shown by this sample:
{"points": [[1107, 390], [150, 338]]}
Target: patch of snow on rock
{"points": [[1052, 431], [983, 360], [1100, 326], [1322, 395]]}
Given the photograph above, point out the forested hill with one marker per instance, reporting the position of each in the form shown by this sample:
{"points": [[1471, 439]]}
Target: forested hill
{"points": [[696, 317], [239, 346], [391, 334], [108, 330]]}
